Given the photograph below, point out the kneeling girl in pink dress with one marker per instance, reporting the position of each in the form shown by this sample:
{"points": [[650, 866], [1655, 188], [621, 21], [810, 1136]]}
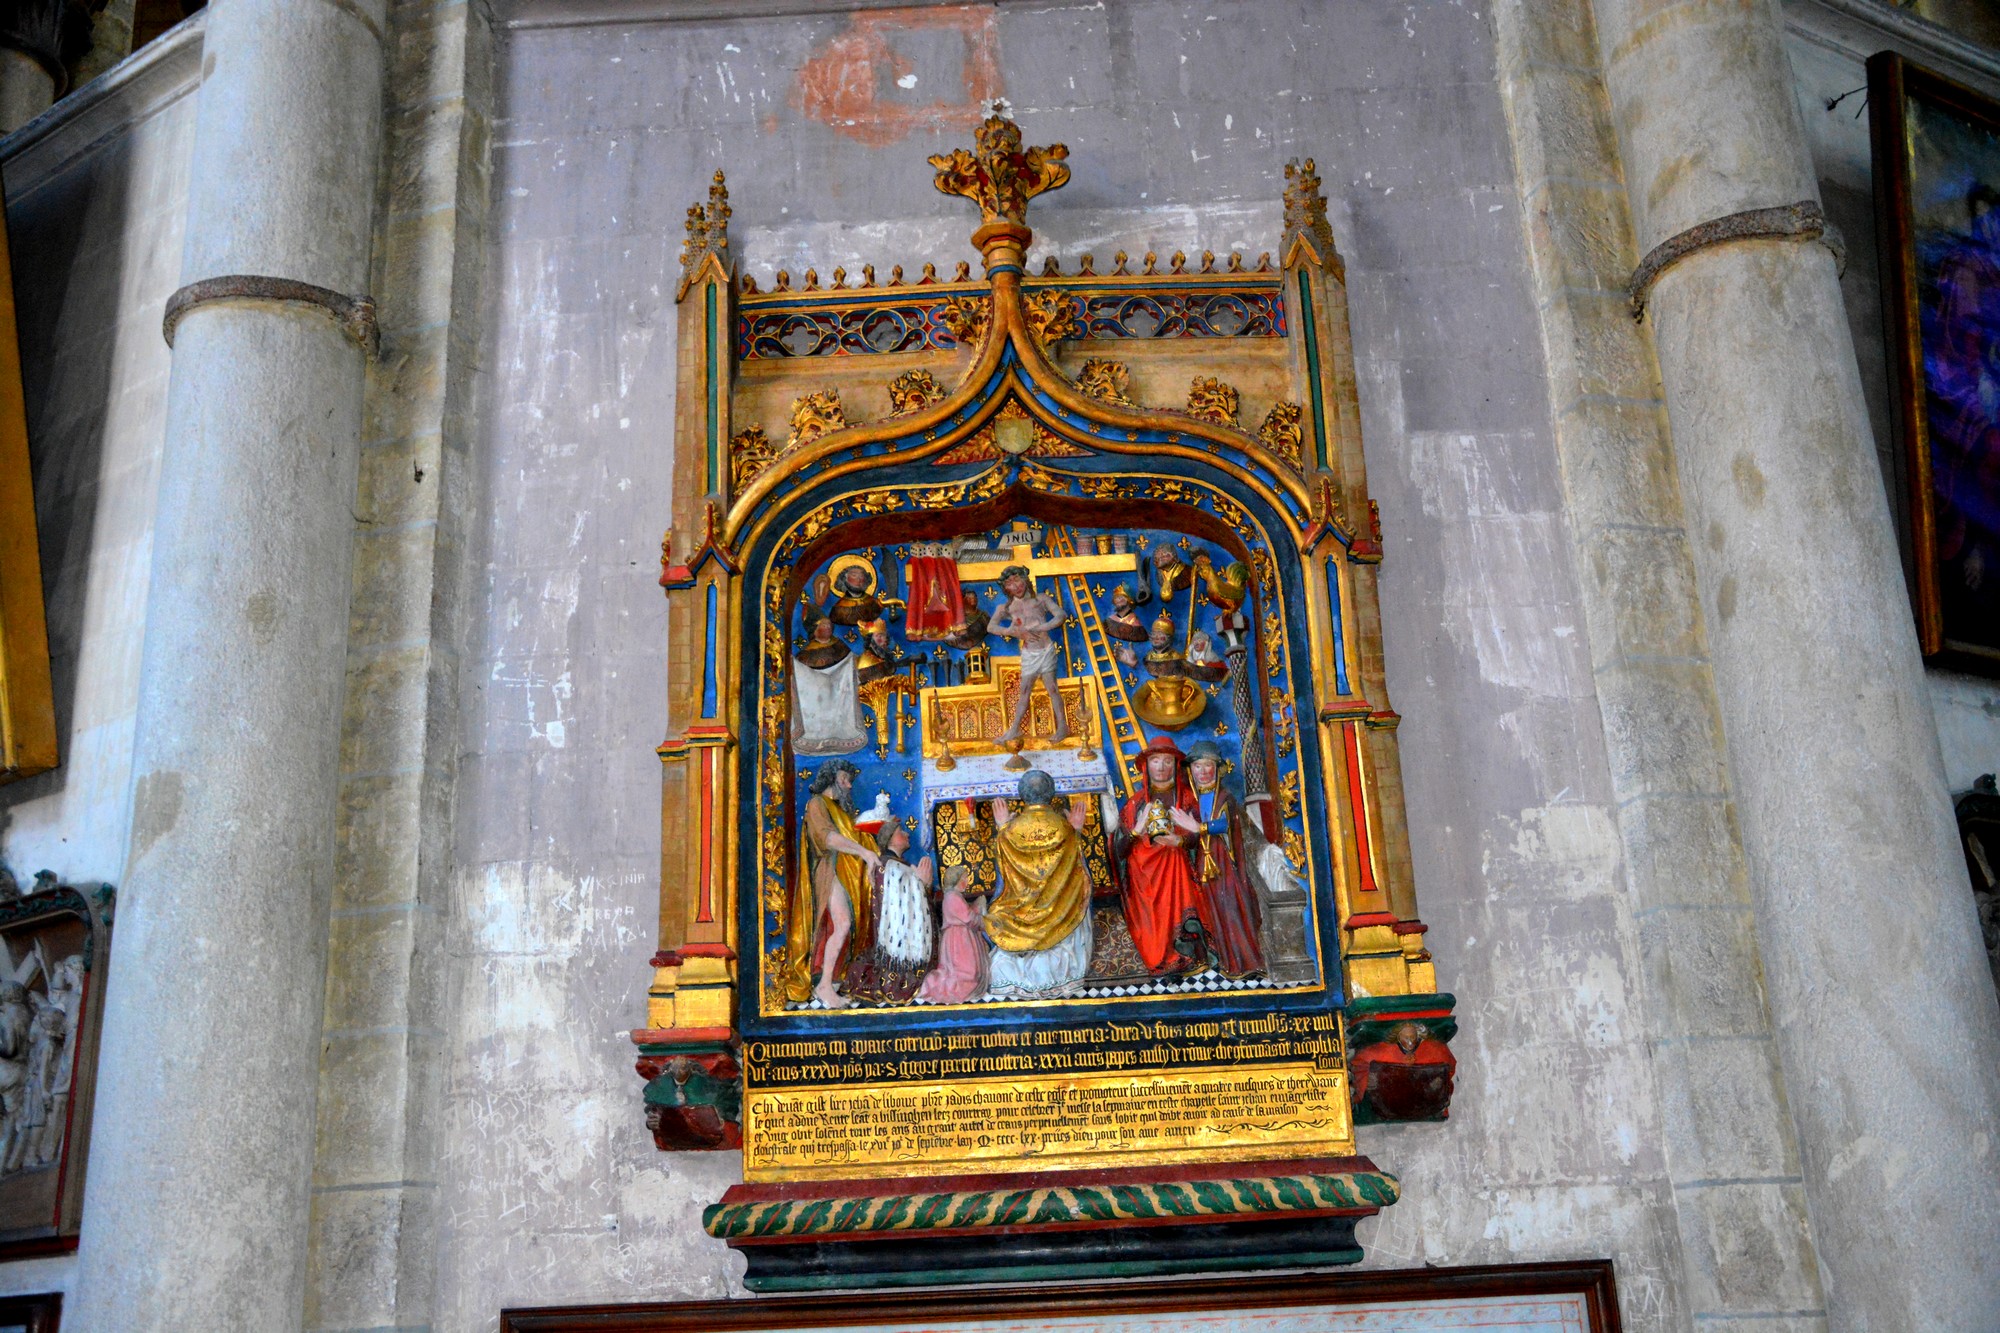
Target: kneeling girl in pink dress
{"points": [[960, 974]]}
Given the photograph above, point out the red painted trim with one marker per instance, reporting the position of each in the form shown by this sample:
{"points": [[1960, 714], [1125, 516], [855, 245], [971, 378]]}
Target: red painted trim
{"points": [[1359, 802], [704, 911], [1360, 919], [1411, 928], [682, 1036], [704, 951]]}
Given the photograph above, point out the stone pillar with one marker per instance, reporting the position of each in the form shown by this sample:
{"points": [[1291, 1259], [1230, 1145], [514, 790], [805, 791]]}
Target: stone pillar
{"points": [[31, 58], [197, 1197], [1886, 1025]]}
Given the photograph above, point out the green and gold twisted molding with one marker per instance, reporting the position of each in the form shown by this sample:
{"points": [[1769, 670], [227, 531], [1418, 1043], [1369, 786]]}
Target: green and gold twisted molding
{"points": [[1052, 1205]]}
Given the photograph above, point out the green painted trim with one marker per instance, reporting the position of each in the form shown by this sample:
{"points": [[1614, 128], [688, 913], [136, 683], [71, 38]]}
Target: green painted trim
{"points": [[944, 1277], [1369, 1006], [714, 389], [1311, 328], [1054, 1205]]}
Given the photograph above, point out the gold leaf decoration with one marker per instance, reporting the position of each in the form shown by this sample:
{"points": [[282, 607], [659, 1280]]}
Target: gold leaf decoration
{"points": [[750, 452], [707, 233], [1052, 318], [1283, 432], [815, 415], [998, 174], [913, 391], [1106, 380], [965, 318], [1212, 400]]}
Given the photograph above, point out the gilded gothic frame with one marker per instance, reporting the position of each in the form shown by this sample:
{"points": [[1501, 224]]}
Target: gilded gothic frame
{"points": [[919, 420]]}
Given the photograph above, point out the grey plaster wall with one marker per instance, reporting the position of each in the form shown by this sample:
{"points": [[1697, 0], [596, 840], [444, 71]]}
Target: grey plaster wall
{"points": [[95, 202], [1179, 119]]}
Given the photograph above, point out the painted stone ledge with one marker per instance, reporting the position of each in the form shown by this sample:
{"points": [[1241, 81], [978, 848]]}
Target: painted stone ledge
{"points": [[1214, 1217]]}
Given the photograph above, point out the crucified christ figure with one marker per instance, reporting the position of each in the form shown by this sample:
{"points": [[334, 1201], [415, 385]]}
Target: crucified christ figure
{"points": [[1029, 618]]}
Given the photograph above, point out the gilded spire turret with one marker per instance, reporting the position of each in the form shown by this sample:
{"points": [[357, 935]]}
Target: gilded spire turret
{"points": [[1305, 214], [707, 234]]}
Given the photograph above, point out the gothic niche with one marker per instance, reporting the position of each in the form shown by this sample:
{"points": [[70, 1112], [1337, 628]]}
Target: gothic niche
{"points": [[1031, 805]]}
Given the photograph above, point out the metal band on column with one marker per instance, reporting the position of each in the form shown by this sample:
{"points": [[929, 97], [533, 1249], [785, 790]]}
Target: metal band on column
{"points": [[354, 314], [1803, 221]]}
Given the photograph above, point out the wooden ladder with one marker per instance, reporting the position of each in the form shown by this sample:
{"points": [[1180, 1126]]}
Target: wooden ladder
{"points": [[1122, 729]]}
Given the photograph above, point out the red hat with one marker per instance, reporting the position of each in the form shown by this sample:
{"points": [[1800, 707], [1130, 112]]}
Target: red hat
{"points": [[1162, 745]]}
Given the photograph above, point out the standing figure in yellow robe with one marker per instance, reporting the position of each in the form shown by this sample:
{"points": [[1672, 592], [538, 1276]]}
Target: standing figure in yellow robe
{"points": [[831, 892], [1040, 918]]}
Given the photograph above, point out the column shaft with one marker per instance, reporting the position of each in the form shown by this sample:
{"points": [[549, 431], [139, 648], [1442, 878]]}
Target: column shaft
{"points": [[196, 1211], [1886, 1024]]}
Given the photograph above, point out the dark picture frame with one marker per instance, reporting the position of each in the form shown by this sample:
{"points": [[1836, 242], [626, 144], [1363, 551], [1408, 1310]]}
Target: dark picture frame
{"points": [[1935, 186], [40, 1313], [1592, 1280]]}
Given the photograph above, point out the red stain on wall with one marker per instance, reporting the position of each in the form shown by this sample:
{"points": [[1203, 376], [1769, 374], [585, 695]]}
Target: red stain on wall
{"points": [[848, 82]]}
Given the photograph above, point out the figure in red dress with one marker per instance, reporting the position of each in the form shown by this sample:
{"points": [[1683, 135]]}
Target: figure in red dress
{"points": [[1162, 897]]}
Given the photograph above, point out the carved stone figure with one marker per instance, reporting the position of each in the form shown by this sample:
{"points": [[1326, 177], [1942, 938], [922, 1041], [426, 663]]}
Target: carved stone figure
{"points": [[1123, 622], [827, 719], [1040, 918], [1162, 896], [835, 860], [961, 970], [1228, 906], [879, 655], [975, 631], [854, 600], [1029, 618], [889, 970]]}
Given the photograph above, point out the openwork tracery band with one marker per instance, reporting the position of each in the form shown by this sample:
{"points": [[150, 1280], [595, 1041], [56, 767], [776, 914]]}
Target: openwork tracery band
{"points": [[354, 314], [1802, 221]]}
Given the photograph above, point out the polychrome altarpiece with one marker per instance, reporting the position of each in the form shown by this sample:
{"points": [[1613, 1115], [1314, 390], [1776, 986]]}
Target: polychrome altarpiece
{"points": [[1036, 894]]}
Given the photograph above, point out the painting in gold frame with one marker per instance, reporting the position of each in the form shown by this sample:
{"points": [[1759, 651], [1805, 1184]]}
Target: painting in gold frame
{"points": [[1937, 212]]}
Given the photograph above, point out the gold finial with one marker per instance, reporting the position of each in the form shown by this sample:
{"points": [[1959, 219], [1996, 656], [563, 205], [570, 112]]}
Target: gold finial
{"points": [[1305, 212], [707, 233], [998, 174]]}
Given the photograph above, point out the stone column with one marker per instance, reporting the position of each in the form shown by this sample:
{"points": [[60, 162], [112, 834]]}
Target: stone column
{"points": [[1886, 1025], [197, 1201], [31, 59]]}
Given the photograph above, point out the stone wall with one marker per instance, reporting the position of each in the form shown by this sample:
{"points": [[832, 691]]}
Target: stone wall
{"points": [[1178, 122]]}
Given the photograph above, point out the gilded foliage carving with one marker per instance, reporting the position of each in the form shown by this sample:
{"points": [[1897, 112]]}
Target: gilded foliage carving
{"points": [[1052, 318], [815, 415], [998, 174], [966, 317], [1105, 380], [1212, 400], [750, 452], [913, 391], [1283, 432], [982, 487]]}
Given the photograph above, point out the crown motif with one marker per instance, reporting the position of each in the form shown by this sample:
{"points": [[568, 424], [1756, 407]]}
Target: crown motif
{"points": [[998, 174], [707, 233]]}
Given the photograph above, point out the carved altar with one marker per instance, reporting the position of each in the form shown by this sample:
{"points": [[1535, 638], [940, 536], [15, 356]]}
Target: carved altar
{"points": [[1034, 864]]}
